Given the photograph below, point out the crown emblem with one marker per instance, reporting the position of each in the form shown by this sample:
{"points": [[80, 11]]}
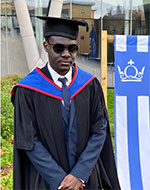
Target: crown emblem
{"points": [[131, 73]]}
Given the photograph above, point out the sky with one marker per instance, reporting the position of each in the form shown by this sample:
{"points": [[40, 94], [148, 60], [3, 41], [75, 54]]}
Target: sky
{"points": [[113, 2], [106, 4], [122, 2]]}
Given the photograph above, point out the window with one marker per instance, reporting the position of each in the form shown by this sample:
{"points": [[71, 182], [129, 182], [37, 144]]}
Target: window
{"points": [[65, 12], [82, 11]]}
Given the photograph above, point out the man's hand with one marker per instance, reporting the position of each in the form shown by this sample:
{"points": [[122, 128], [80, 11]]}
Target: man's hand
{"points": [[71, 182]]}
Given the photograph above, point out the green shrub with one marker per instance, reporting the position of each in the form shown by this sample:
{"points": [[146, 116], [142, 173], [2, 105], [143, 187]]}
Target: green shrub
{"points": [[7, 115], [7, 182], [7, 125], [6, 152]]}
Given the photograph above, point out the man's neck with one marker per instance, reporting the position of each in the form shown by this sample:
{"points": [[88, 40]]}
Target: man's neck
{"points": [[55, 75]]}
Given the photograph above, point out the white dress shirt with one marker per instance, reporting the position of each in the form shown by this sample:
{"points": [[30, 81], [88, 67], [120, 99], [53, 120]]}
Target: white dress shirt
{"points": [[55, 76]]}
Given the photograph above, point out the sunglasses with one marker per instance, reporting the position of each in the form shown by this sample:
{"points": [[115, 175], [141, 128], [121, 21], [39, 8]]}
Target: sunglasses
{"points": [[59, 48]]}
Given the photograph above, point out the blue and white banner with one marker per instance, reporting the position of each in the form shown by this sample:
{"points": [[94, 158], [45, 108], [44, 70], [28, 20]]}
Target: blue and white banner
{"points": [[132, 111]]}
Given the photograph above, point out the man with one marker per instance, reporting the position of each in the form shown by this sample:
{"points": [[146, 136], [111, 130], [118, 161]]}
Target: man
{"points": [[61, 135]]}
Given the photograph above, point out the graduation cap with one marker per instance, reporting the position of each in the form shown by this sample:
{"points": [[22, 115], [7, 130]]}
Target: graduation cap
{"points": [[62, 26]]}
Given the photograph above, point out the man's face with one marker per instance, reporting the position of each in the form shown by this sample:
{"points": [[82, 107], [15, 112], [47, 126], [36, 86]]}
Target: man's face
{"points": [[60, 62]]}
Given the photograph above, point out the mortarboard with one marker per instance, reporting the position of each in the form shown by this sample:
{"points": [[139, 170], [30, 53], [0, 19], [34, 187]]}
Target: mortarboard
{"points": [[62, 26]]}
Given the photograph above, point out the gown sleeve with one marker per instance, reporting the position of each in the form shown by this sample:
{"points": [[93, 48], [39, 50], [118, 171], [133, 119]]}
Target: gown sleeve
{"points": [[23, 119], [25, 138], [90, 155], [45, 164]]}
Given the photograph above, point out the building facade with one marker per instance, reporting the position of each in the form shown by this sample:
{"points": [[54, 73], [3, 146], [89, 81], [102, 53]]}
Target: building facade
{"points": [[129, 17], [81, 10]]}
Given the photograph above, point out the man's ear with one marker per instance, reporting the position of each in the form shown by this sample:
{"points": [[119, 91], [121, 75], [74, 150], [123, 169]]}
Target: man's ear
{"points": [[45, 45]]}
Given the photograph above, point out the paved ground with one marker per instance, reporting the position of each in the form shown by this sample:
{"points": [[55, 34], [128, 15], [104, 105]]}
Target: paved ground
{"points": [[94, 67]]}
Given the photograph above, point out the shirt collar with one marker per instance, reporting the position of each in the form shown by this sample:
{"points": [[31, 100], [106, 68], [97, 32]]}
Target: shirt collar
{"points": [[55, 76]]}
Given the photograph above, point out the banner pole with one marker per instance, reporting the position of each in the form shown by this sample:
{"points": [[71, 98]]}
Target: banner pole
{"points": [[104, 64]]}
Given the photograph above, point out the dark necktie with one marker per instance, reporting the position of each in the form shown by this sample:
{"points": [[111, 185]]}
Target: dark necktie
{"points": [[66, 99], [65, 110], [65, 92]]}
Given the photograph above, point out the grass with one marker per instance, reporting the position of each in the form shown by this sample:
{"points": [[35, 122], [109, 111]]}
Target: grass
{"points": [[110, 108], [7, 123]]}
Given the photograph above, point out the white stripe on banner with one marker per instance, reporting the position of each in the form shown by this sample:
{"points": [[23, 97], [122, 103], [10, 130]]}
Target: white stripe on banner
{"points": [[122, 142], [144, 139], [142, 43], [121, 43]]}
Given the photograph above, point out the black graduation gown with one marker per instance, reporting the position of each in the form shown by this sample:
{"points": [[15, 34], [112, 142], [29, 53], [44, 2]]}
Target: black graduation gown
{"points": [[44, 113]]}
